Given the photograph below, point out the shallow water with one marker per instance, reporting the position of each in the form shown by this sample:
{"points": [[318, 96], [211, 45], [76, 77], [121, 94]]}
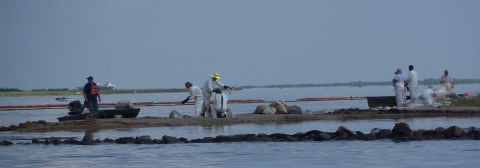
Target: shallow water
{"points": [[381, 153], [279, 154]]}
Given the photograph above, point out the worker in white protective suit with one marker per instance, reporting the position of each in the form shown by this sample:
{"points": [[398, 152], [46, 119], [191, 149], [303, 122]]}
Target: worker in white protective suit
{"points": [[195, 94], [447, 81], [207, 93], [428, 96], [412, 82], [399, 85]]}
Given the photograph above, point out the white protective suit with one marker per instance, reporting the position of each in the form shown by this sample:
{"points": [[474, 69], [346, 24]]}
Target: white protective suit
{"points": [[447, 81], [428, 96], [412, 81], [400, 89], [207, 93], [196, 94]]}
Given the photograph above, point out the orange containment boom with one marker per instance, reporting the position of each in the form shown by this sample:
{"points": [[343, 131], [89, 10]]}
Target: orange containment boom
{"points": [[169, 103]]}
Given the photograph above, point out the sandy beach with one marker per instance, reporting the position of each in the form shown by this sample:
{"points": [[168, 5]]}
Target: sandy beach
{"points": [[342, 114]]}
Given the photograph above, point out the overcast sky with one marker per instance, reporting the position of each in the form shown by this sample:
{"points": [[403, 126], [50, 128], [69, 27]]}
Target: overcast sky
{"points": [[163, 44]]}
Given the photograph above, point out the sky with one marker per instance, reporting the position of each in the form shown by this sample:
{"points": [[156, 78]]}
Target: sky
{"points": [[163, 44]]}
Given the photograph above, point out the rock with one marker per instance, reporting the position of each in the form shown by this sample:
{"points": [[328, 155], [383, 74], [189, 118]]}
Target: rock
{"points": [[55, 141], [108, 140], [262, 135], [34, 141], [315, 132], [169, 139], [367, 137], [439, 133], [402, 129], [291, 139], [262, 139], [322, 137], [182, 139], [453, 131], [243, 137], [260, 109], [418, 134], [223, 138], [374, 131], [283, 103], [341, 135], [278, 136], [5, 143], [125, 140], [144, 139], [270, 110], [383, 133], [470, 131], [439, 130], [175, 114], [157, 141], [344, 129], [209, 140], [280, 107], [294, 110], [476, 135]]}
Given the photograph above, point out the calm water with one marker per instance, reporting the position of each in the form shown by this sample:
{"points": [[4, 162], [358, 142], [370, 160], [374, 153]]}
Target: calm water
{"points": [[384, 153]]}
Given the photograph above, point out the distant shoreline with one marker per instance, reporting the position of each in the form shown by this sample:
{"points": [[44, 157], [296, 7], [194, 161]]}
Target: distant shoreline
{"points": [[424, 82], [12, 92], [80, 92]]}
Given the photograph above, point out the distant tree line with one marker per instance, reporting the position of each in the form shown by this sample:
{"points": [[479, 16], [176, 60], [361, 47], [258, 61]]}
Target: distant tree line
{"points": [[54, 89], [6, 89], [429, 81]]}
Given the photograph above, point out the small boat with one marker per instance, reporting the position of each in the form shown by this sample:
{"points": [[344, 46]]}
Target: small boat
{"points": [[107, 113], [383, 101]]}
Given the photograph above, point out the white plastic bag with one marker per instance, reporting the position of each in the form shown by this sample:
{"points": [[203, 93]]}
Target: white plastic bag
{"points": [[220, 103]]}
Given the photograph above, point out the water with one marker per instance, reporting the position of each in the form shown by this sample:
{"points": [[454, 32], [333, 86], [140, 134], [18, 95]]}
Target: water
{"points": [[382, 153]]}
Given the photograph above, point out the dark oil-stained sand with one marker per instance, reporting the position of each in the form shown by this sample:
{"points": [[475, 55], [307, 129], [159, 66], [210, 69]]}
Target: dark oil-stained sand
{"points": [[342, 114]]}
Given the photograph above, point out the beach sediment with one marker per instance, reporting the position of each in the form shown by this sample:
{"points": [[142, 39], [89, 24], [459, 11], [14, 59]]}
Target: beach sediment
{"points": [[342, 114]]}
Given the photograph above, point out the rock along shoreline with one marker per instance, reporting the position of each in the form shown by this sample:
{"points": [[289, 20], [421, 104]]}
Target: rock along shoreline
{"points": [[399, 133]]}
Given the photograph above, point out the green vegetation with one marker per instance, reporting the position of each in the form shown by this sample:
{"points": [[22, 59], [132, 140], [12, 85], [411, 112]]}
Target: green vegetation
{"points": [[56, 89], [9, 89], [467, 101]]}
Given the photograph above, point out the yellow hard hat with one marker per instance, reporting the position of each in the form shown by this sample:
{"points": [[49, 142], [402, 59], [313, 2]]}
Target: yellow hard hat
{"points": [[216, 75]]}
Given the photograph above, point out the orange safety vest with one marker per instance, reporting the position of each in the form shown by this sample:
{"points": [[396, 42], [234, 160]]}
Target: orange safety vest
{"points": [[94, 90]]}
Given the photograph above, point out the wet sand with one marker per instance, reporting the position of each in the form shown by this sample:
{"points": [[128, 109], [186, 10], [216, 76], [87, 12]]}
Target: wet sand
{"points": [[342, 114]]}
